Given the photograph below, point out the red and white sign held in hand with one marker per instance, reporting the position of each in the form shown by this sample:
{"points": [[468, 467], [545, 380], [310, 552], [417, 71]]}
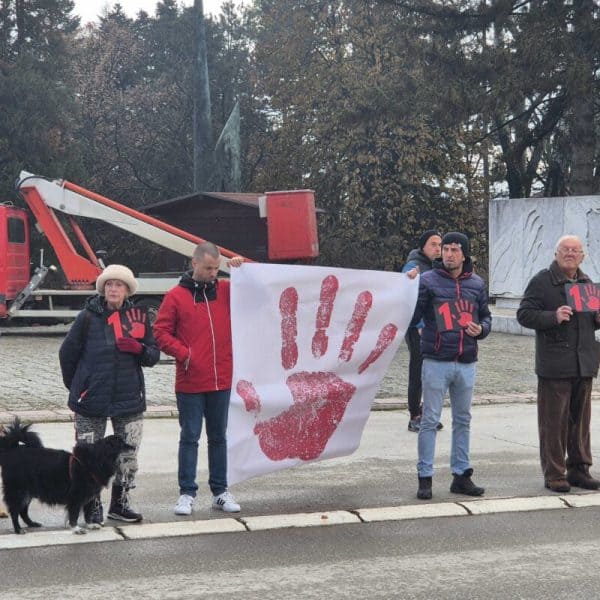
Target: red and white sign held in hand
{"points": [[455, 315], [583, 297]]}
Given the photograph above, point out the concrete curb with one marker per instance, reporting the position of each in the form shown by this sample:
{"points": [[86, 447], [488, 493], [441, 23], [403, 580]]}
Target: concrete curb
{"points": [[321, 519], [180, 528], [475, 508], [64, 415], [168, 411]]}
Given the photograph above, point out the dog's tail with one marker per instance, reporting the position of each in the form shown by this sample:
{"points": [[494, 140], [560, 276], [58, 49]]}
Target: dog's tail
{"points": [[17, 434]]}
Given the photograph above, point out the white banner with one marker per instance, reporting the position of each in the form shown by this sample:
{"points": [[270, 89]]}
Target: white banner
{"points": [[310, 348]]}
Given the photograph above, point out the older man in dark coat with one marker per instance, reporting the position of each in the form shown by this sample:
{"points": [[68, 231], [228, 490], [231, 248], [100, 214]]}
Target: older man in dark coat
{"points": [[567, 356]]}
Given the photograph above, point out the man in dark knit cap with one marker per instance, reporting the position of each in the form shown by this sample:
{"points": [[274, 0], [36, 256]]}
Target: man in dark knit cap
{"points": [[453, 305], [430, 248]]}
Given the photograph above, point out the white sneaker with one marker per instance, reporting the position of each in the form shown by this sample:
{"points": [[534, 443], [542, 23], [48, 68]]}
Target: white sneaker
{"points": [[225, 502], [184, 505]]}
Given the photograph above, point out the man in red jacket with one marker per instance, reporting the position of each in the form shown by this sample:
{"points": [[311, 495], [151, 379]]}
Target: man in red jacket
{"points": [[194, 326]]}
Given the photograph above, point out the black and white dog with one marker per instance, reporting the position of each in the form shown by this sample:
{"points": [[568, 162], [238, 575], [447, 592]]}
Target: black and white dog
{"points": [[54, 477]]}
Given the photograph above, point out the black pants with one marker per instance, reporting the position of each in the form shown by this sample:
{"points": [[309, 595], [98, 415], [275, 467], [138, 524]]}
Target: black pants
{"points": [[413, 341]]}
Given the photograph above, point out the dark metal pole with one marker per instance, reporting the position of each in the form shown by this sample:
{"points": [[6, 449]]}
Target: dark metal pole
{"points": [[203, 154]]}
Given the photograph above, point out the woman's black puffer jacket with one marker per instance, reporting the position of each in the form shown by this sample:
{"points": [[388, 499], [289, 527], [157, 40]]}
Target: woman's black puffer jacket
{"points": [[103, 381]]}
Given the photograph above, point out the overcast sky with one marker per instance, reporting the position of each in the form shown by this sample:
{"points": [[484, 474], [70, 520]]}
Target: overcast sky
{"points": [[88, 10]]}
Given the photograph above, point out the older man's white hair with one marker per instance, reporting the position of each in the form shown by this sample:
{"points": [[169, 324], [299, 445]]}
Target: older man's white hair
{"points": [[567, 238]]}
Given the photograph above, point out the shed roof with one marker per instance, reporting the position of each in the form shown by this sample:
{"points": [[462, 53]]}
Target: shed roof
{"points": [[243, 198], [246, 199]]}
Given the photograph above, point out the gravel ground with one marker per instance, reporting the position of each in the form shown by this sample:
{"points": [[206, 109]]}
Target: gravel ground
{"points": [[505, 368], [30, 378]]}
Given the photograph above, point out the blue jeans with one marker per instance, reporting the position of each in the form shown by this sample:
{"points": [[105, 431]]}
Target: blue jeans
{"points": [[438, 378], [214, 407]]}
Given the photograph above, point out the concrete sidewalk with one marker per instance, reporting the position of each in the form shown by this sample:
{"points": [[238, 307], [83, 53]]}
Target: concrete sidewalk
{"points": [[377, 482]]}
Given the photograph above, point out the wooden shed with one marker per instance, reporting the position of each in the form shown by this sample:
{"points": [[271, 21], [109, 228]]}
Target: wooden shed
{"points": [[228, 219]]}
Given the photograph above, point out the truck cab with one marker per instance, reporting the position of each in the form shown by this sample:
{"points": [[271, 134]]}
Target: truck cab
{"points": [[14, 253]]}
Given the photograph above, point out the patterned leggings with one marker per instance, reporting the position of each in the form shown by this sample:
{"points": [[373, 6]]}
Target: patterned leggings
{"points": [[129, 429]]}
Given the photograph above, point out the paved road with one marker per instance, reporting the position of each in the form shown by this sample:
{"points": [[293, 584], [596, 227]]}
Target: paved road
{"points": [[538, 556], [30, 378], [502, 554]]}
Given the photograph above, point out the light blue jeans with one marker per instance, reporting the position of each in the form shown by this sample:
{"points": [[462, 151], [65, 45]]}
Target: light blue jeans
{"points": [[438, 378], [214, 407]]}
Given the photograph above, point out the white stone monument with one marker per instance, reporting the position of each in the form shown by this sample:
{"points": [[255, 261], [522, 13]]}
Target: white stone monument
{"points": [[523, 236]]}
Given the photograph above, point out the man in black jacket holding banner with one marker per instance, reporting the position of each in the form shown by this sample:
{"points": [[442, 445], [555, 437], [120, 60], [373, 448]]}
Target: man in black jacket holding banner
{"points": [[430, 248]]}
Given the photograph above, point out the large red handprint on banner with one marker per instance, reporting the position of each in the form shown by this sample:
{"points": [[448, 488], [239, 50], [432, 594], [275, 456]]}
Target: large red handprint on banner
{"points": [[319, 398]]}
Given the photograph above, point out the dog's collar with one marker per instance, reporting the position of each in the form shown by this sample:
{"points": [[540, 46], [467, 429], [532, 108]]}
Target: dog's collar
{"points": [[73, 459]]}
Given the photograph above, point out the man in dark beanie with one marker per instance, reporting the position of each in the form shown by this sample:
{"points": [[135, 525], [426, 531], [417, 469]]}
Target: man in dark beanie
{"points": [[460, 239], [453, 305], [430, 248]]}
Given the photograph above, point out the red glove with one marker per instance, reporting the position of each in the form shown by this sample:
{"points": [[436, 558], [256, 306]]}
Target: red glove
{"points": [[127, 344]]}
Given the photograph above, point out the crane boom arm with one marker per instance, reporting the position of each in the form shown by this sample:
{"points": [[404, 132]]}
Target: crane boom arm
{"points": [[71, 199]]}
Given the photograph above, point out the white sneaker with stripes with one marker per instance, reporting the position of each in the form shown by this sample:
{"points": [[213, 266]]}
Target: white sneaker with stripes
{"points": [[225, 502]]}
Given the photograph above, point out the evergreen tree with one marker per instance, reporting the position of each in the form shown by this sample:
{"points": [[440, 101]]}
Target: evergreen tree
{"points": [[35, 96], [523, 77], [351, 118]]}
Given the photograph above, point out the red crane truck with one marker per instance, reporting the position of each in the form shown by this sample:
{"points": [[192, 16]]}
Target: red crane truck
{"points": [[22, 294]]}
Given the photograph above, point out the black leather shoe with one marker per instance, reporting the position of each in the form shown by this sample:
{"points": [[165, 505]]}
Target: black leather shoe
{"points": [[424, 491], [462, 484]]}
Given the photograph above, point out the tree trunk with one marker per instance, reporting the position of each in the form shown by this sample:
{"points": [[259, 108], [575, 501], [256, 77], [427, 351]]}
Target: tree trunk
{"points": [[20, 19], [583, 133]]}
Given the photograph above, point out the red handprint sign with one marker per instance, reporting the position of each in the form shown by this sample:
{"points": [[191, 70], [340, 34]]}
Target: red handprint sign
{"points": [[308, 360], [319, 399], [464, 311], [592, 293], [583, 297], [135, 326], [455, 315], [132, 324]]}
